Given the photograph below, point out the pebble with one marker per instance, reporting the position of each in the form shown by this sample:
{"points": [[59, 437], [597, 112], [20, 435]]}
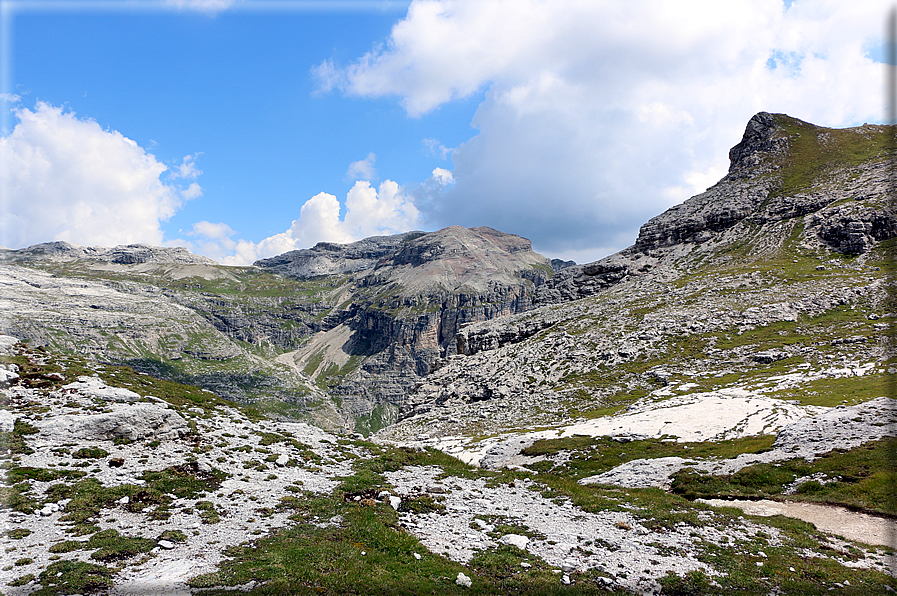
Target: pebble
{"points": [[463, 581]]}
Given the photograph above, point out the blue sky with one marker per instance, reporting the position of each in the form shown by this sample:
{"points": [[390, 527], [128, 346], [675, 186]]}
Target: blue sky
{"points": [[242, 129]]}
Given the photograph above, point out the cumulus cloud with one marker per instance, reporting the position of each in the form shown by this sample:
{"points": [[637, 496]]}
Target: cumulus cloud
{"points": [[65, 178], [443, 177], [363, 169], [368, 212], [599, 115]]}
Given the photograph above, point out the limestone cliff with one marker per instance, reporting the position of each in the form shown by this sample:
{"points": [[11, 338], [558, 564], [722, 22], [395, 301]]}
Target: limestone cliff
{"points": [[782, 169], [780, 261]]}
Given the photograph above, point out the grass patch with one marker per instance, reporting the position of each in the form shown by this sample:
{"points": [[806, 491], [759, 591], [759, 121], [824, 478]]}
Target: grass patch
{"points": [[23, 473], [90, 453], [73, 577], [839, 391], [816, 151], [861, 478], [588, 456], [112, 546]]}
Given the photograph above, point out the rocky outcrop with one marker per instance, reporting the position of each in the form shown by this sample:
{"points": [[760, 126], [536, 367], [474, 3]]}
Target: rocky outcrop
{"points": [[782, 170], [123, 254], [405, 310], [855, 231], [133, 422], [331, 258], [472, 340]]}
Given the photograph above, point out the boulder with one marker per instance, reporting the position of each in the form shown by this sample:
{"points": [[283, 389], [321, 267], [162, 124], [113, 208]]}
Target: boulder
{"points": [[94, 387], [134, 422]]}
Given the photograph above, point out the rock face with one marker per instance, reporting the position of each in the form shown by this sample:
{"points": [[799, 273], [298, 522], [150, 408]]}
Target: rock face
{"points": [[793, 236], [126, 254], [135, 422], [330, 258], [408, 298], [362, 322], [782, 169]]}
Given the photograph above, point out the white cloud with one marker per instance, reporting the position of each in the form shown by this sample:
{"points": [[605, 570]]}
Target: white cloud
{"points": [[369, 212], [363, 169], [443, 176], [598, 114], [215, 231], [188, 169], [65, 178], [436, 148], [207, 6]]}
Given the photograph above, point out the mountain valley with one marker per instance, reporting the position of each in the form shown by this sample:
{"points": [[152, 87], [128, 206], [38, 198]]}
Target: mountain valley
{"points": [[450, 412]]}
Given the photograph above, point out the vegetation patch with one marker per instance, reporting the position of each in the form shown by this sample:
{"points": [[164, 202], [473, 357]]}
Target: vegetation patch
{"points": [[90, 453], [112, 546], [18, 533], [862, 478], [73, 577], [22, 473], [185, 481], [587, 456]]}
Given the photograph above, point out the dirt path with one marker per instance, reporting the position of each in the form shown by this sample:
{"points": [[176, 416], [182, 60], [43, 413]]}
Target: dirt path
{"points": [[853, 525]]}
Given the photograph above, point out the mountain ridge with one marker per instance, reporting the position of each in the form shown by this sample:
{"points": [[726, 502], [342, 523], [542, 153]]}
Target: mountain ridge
{"points": [[607, 428]]}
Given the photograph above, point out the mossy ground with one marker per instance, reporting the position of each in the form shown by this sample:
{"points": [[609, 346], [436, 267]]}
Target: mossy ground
{"points": [[862, 478]]}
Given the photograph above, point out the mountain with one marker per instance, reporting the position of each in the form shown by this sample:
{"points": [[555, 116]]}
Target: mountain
{"points": [[778, 270], [708, 411], [335, 335]]}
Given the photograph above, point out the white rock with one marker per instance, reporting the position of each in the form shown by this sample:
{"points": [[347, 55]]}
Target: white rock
{"points": [[95, 387], [281, 460], [7, 420], [565, 579], [515, 540], [395, 502], [7, 377], [135, 422], [463, 581], [166, 544], [417, 556], [124, 500], [7, 342]]}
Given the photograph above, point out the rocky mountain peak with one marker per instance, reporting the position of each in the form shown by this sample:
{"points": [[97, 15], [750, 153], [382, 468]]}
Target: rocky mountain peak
{"points": [[762, 135], [332, 258], [130, 254], [455, 257], [781, 170]]}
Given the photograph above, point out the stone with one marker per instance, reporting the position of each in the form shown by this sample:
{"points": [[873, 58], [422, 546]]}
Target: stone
{"points": [[7, 421], [134, 422], [94, 387], [394, 502], [282, 460], [463, 581], [166, 544], [7, 377], [515, 540]]}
